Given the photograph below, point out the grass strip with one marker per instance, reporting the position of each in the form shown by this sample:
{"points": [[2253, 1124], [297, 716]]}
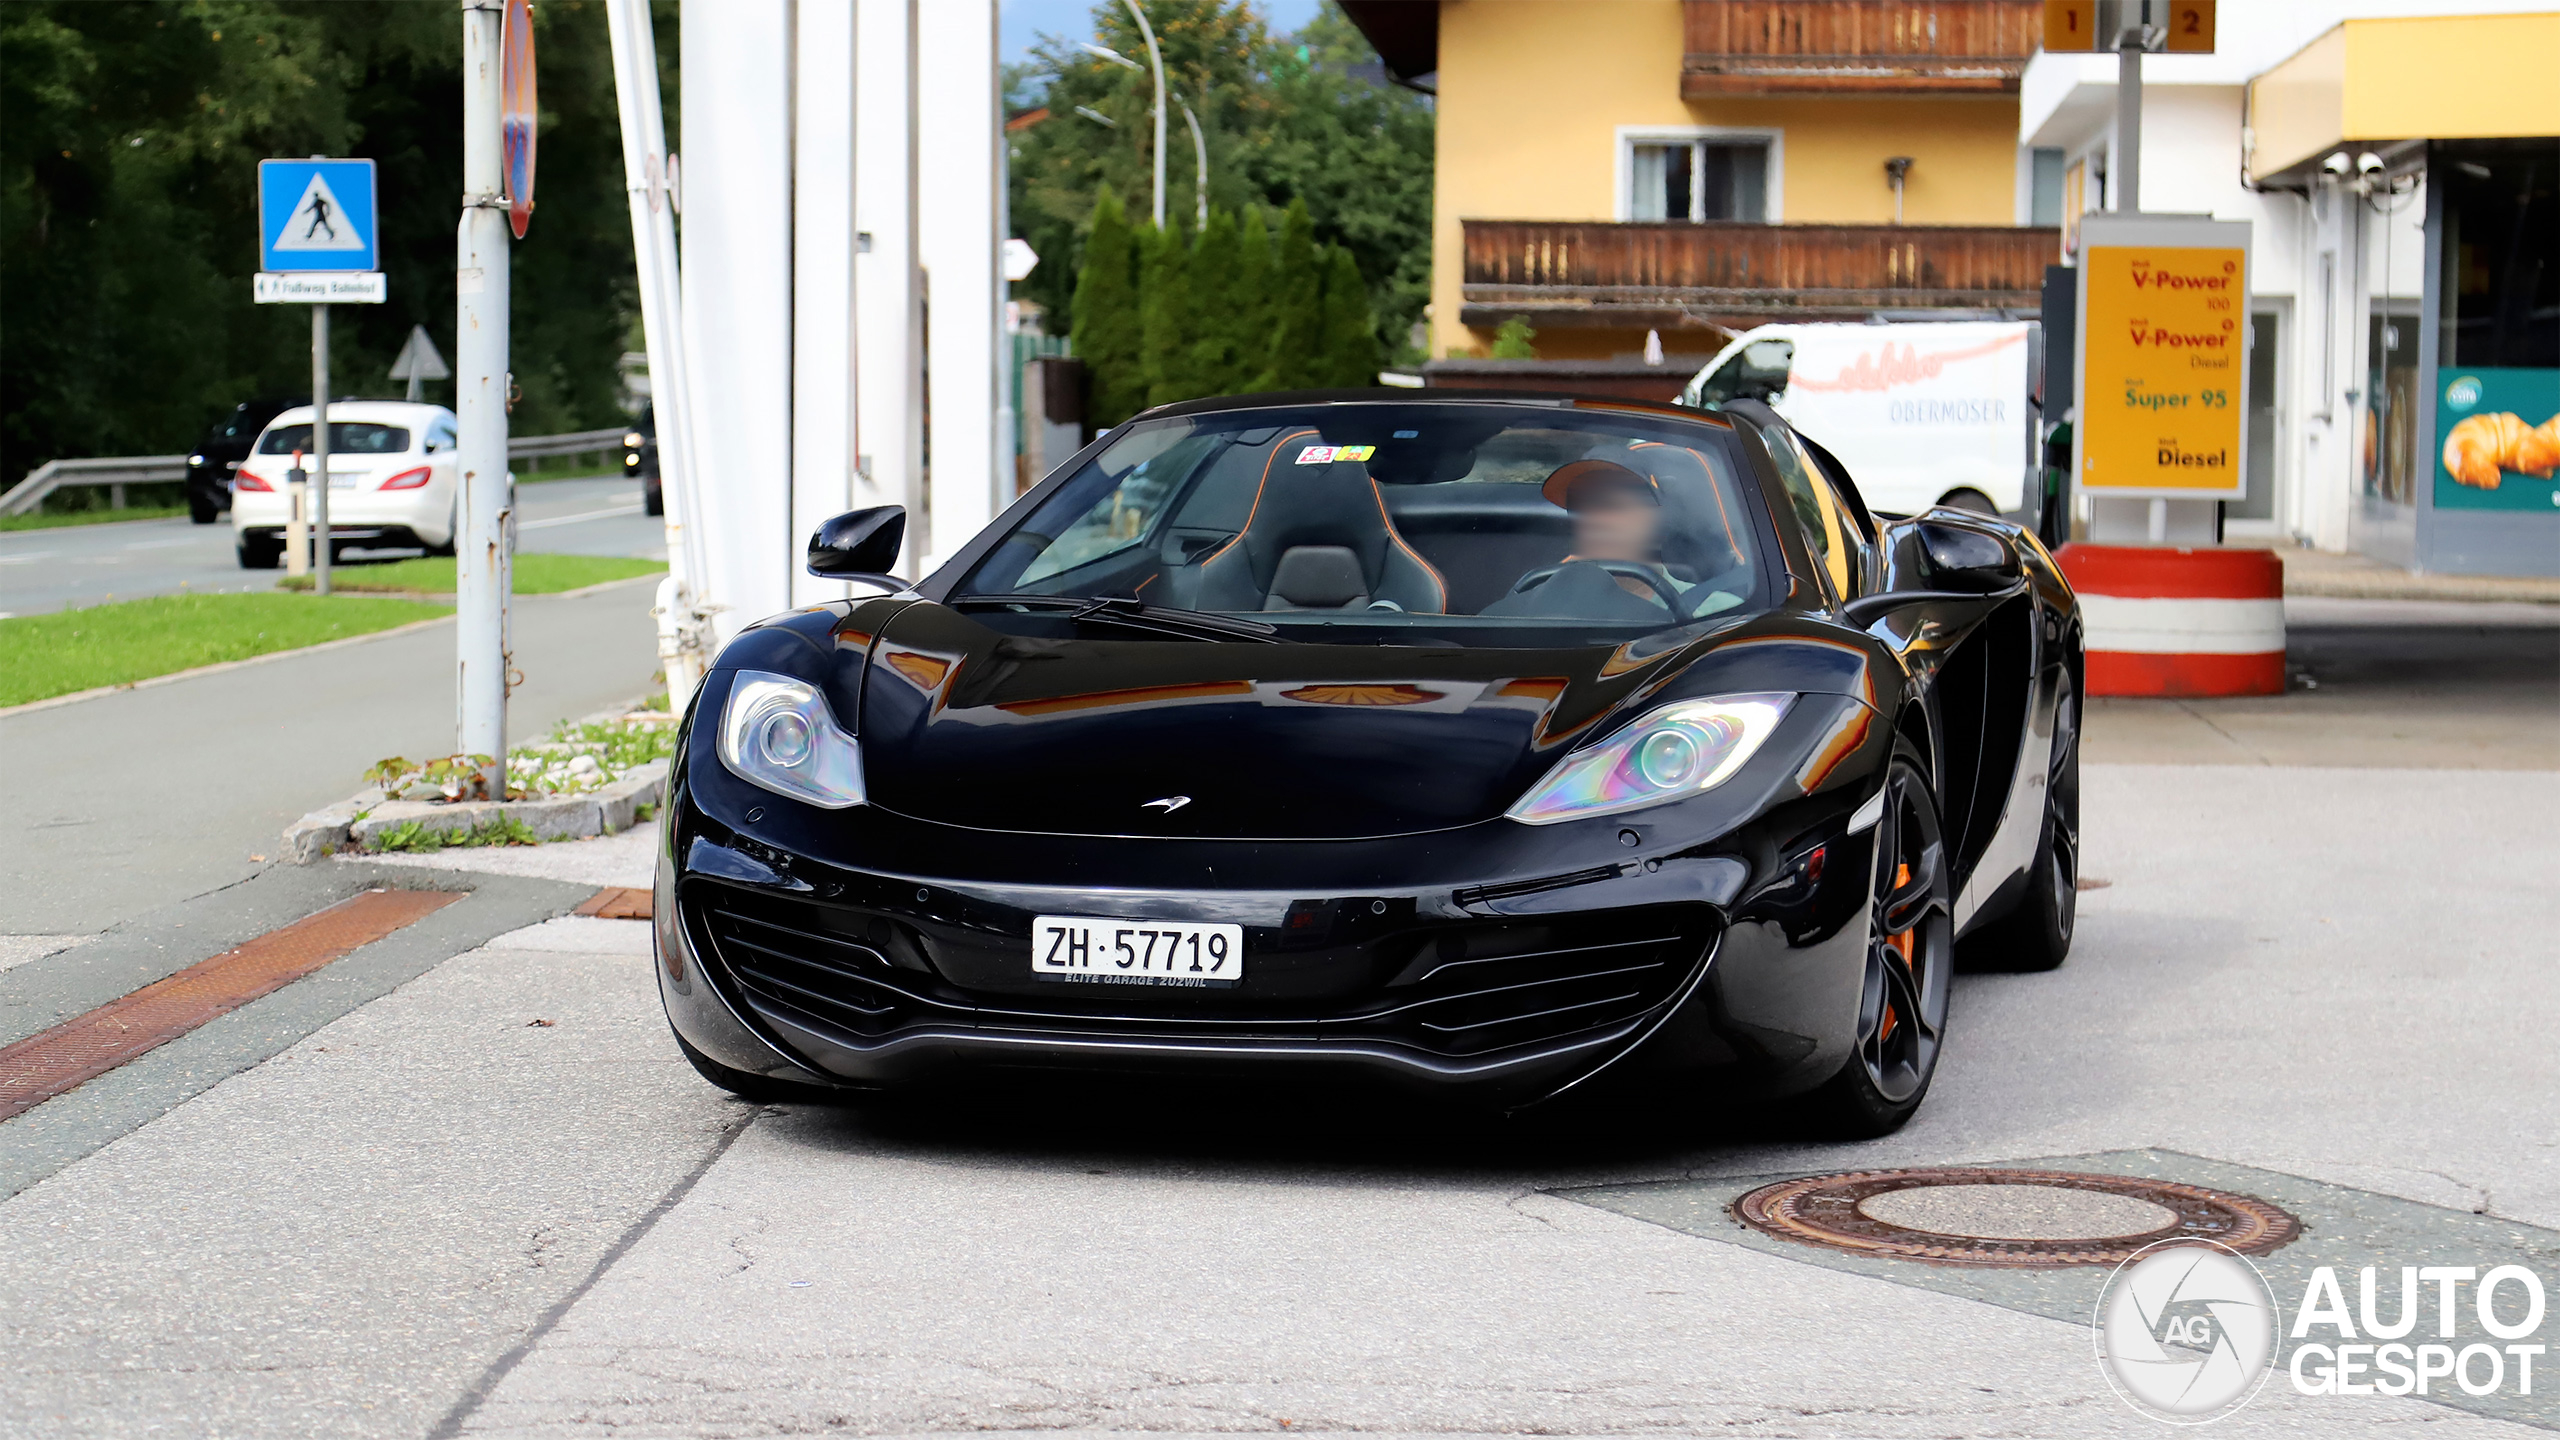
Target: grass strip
{"points": [[101, 516], [535, 574], [42, 656]]}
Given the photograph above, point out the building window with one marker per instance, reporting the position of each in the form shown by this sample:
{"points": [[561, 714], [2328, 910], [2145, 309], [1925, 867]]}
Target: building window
{"points": [[1706, 179], [2044, 187]]}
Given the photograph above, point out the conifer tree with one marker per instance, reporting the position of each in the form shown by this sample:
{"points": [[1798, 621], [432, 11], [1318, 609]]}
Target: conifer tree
{"points": [[1296, 325], [1217, 357], [1107, 332], [1350, 326], [1165, 314], [1248, 316]]}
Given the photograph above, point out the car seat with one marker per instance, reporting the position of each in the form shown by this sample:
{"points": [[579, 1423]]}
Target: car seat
{"points": [[1318, 538]]}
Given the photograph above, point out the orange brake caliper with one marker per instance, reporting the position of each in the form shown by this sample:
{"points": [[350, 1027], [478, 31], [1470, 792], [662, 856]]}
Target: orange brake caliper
{"points": [[1902, 943]]}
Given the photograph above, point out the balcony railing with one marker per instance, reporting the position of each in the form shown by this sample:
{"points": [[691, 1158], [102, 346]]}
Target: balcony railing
{"points": [[1666, 273], [1826, 47]]}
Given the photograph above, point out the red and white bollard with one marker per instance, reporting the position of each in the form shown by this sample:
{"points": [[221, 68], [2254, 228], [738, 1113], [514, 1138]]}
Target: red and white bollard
{"points": [[2177, 622]]}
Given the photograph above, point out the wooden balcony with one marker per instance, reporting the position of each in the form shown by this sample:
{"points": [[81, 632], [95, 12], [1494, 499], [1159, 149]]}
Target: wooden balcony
{"points": [[1668, 274], [1868, 47]]}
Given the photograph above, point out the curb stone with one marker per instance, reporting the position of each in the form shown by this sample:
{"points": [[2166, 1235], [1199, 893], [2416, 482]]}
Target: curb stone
{"points": [[361, 819], [561, 817]]}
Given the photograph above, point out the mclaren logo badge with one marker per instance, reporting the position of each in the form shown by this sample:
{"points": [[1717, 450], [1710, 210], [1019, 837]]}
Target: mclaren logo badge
{"points": [[1168, 804]]}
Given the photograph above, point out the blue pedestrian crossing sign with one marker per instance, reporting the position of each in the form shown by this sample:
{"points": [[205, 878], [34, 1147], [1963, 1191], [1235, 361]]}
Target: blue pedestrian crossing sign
{"points": [[317, 215]]}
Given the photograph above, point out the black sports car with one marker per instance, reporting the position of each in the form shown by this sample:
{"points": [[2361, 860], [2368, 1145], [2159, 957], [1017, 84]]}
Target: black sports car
{"points": [[225, 444], [1491, 742]]}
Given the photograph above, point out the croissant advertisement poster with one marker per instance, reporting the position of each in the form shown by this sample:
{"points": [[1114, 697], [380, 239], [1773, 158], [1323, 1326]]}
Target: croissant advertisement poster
{"points": [[2164, 357], [2500, 439]]}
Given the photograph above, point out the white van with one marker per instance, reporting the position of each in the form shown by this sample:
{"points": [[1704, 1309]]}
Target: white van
{"points": [[1921, 414]]}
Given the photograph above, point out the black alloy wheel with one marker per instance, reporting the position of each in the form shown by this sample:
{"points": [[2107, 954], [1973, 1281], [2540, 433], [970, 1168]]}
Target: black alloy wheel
{"points": [[2036, 936], [1902, 1006], [258, 554]]}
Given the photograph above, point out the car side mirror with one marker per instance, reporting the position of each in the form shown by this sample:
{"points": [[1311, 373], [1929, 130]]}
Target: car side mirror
{"points": [[1956, 564], [1965, 559], [859, 544]]}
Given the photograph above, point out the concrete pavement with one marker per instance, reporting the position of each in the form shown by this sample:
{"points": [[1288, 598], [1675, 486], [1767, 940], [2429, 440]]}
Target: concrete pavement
{"points": [[127, 802], [434, 1216]]}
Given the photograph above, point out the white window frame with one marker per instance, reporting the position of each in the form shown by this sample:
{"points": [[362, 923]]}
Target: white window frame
{"points": [[1630, 136]]}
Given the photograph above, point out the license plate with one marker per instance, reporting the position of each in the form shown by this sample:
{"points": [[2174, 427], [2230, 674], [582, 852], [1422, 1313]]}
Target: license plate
{"points": [[1136, 952]]}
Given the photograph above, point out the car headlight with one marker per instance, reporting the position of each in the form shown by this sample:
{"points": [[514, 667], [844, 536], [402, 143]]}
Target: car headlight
{"points": [[632, 439], [778, 733], [196, 460], [1677, 751]]}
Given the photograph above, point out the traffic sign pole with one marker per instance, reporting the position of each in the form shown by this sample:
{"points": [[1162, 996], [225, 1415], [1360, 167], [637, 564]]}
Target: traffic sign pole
{"points": [[480, 403], [320, 556]]}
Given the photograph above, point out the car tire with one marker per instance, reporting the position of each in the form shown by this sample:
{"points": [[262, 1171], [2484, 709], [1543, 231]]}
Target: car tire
{"points": [[256, 554], [653, 498], [1970, 500], [759, 1088], [2036, 936], [1910, 962], [202, 510]]}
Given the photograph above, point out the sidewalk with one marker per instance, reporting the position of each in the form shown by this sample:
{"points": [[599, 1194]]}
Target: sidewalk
{"points": [[2355, 577]]}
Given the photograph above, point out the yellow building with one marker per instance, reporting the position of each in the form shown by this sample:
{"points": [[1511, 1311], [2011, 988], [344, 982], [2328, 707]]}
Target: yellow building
{"points": [[1609, 167]]}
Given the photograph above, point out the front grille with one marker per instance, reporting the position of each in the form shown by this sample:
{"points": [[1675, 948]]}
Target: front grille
{"points": [[818, 966], [1462, 988], [1479, 1003]]}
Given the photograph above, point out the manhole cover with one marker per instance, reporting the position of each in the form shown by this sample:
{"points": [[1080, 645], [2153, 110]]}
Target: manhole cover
{"points": [[2007, 1217]]}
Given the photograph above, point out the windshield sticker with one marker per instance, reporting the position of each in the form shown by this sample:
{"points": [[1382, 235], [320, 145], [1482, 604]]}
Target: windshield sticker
{"points": [[1327, 454]]}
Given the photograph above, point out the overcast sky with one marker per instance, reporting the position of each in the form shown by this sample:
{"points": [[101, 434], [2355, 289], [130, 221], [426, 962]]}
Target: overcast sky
{"points": [[1024, 20]]}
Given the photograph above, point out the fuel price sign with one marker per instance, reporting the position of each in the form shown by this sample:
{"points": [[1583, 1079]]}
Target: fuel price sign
{"points": [[2164, 345]]}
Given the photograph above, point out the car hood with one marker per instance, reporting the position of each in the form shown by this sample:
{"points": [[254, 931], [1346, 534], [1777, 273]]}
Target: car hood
{"points": [[964, 725]]}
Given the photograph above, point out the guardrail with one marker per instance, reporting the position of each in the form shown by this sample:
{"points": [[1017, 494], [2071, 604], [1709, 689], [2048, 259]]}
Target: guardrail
{"points": [[576, 442], [117, 471], [113, 471]]}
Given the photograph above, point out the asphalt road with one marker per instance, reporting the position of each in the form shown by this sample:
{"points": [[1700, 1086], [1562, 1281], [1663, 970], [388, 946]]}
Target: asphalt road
{"points": [[483, 1195], [46, 570]]}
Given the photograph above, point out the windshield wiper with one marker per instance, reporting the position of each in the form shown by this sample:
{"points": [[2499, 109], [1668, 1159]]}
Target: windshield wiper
{"points": [[1130, 613]]}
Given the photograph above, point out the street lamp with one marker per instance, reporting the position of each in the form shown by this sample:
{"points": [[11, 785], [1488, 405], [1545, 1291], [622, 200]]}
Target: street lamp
{"points": [[1199, 146], [1148, 31]]}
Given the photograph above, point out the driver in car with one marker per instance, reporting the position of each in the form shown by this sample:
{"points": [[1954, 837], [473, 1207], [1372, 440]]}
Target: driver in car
{"points": [[1617, 516]]}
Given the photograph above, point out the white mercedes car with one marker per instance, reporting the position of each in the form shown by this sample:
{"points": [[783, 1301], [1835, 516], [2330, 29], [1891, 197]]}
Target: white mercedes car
{"points": [[393, 480]]}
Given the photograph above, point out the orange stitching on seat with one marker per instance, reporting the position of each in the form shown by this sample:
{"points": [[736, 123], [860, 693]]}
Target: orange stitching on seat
{"points": [[1397, 536], [1257, 495]]}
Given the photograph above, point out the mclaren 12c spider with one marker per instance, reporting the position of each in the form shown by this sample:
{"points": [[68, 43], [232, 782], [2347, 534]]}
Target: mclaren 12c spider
{"points": [[1500, 744]]}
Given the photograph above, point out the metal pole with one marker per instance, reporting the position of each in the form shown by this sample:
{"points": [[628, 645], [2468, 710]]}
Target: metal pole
{"points": [[684, 629], [1157, 56], [1200, 148], [320, 449], [480, 402], [2129, 120]]}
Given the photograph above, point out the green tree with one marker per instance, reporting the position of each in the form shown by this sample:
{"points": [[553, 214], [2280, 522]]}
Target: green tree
{"points": [[1511, 342], [1248, 313], [1293, 359], [1219, 357], [129, 139], [1350, 327], [1298, 120], [1107, 329], [1165, 315]]}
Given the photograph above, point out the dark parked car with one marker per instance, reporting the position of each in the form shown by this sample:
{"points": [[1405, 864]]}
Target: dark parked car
{"points": [[1496, 744], [225, 444], [640, 459]]}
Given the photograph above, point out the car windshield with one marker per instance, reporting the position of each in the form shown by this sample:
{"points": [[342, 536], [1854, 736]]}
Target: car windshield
{"points": [[346, 437], [1480, 523]]}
